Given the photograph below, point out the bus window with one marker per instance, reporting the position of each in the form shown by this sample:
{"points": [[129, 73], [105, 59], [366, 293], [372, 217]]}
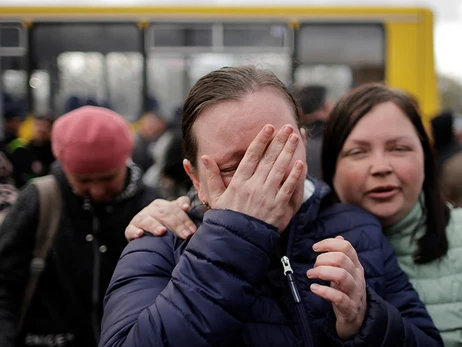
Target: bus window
{"points": [[170, 76], [272, 37], [338, 79], [13, 75], [175, 65], [361, 47], [81, 80], [39, 83], [81, 59], [181, 35], [125, 83]]}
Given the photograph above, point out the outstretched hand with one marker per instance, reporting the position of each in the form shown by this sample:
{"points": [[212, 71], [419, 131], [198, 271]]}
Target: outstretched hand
{"points": [[340, 265]]}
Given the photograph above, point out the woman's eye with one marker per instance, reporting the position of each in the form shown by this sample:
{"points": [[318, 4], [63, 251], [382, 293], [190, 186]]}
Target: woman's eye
{"points": [[400, 149], [355, 152]]}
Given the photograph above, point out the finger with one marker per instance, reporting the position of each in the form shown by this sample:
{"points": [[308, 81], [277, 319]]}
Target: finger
{"points": [[279, 168], [342, 278], [335, 296], [337, 259], [254, 153], [272, 154], [148, 224], [337, 245], [132, 232], [183, 202], [291, 183], [160, 215], [214, 183]]}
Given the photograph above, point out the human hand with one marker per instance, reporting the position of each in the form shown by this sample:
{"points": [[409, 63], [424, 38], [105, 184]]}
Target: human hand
{"points": [[263, 183], [160, 215], [347, 292]]}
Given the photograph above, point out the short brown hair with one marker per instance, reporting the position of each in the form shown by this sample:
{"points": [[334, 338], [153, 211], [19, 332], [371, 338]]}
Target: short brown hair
{"points": [[226, 84]]}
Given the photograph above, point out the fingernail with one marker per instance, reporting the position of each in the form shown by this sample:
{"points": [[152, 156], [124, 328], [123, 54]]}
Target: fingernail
{"points": [[193, 229], [309, 273], [298, 165], [269, 130], [139, 233], [287, 129], [185, 206], [185, 232], [160, 229], [315, 246], [205, 161], [293, 139], [314, 287]]}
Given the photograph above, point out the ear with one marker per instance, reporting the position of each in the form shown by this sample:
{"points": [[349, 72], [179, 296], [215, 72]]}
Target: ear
{"points": [[194, 178]]}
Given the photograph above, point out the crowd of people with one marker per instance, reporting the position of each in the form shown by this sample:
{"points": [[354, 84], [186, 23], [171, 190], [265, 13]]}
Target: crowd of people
{"points": [[266, 217]]}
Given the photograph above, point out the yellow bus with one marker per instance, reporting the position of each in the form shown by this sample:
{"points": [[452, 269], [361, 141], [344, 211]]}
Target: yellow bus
{"points": [[135, 58]]}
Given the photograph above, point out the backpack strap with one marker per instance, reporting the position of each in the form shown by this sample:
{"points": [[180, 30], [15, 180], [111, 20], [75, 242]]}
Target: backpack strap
{"points": [[50, 207]]}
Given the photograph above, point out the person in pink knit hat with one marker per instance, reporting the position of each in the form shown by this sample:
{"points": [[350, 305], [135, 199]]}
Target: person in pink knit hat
{"points": [[93, 145], [101, 191]]}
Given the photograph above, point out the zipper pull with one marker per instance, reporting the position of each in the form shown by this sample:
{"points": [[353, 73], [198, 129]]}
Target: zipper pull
{"points": [[289, 273]]}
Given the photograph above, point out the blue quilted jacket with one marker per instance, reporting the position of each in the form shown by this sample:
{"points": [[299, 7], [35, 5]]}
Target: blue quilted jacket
{"points": [[226, 285]]}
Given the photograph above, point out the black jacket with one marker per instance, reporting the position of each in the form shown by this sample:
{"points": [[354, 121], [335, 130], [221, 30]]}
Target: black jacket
{"points": [[67, 306]]}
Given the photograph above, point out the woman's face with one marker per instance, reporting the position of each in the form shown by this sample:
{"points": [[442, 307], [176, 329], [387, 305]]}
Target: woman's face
{"points": [[381, 165], [224, 132]]}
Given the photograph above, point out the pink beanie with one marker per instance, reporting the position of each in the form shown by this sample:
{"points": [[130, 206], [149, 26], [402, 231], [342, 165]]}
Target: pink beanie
{"points": [[91, 140]]}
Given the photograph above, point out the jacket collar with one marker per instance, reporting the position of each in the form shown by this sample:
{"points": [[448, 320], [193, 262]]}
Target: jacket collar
{"points": [[133, 183]]}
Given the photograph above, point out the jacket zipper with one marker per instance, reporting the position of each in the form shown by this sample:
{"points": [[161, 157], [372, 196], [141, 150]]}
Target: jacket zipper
{"points": [[300, 310]]}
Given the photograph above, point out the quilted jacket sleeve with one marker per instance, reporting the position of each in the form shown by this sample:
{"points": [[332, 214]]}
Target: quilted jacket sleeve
{"points": [[397, 319], [200, 301]]}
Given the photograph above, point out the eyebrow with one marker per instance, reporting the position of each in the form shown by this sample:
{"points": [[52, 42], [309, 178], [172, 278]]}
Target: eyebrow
{"points": [[395, 139]]}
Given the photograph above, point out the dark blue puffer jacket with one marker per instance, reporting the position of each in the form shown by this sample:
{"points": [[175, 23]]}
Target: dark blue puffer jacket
{"points": [[226, 286]]}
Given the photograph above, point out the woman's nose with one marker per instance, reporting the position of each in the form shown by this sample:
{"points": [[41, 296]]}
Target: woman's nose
{"points": [[381, 164]]}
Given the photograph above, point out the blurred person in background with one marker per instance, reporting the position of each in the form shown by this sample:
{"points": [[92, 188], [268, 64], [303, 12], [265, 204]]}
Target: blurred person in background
{"points": [[458, 128], [151, 128], [8, 190], [444, 139], [315, 107], [451, 179], [34, 158], [101, 191], [167, 175], [13, 116]]}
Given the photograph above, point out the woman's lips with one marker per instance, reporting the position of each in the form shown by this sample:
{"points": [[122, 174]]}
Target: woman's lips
{"points": [[383, 192]]}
